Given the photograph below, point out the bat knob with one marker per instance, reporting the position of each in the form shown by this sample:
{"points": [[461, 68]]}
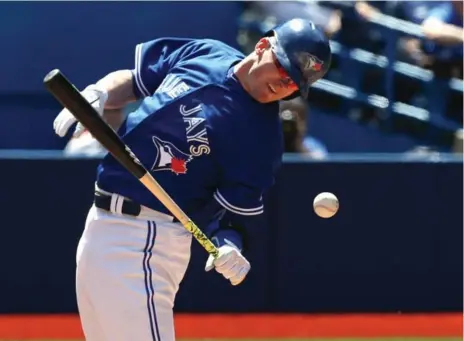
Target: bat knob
{"points": [[51, 75]]}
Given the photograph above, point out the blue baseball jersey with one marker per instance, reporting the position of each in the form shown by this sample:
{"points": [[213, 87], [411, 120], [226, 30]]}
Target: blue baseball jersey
{"points": [[201, 135]]}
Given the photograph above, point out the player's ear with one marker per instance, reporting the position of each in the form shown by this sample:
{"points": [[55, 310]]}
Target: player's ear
{"points": [[262, 45]]}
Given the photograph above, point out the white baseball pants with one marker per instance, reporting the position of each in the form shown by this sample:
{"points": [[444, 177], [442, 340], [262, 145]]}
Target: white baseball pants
{"points": [[128, 273]]}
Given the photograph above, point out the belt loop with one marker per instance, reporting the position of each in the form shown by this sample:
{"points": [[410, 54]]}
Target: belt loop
{"points": [[114, 203], [119, 204]]}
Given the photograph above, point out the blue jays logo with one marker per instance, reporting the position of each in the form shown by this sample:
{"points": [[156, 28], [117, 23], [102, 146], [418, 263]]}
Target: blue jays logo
{"points": [[169, 157], [309, 62]]}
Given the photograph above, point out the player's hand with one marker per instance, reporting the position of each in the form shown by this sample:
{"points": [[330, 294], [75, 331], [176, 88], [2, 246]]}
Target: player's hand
{"points": [[95, 96], [230, 263]]}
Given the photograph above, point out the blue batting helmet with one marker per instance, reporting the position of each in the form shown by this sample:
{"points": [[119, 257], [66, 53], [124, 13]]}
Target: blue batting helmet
{"points": [[303, 51]]}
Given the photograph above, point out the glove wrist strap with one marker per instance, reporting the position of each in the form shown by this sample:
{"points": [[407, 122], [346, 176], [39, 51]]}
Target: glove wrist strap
{"points": [[101, 92]]}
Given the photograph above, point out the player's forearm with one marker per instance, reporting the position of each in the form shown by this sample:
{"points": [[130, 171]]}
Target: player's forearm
{"points": [[443, 33], [119, 86]]}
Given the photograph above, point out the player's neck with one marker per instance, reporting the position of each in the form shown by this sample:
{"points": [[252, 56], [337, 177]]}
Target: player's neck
{"points": [[241, 70]]}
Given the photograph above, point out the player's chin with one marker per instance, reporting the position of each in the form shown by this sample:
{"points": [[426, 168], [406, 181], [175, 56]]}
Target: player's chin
{"points": [[280, 94], [267, 97]]}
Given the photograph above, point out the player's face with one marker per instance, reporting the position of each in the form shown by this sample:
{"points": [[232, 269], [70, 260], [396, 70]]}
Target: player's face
{"points": [[268, 80]]}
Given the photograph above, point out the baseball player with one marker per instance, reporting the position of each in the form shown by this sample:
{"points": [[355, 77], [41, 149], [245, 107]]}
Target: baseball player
{"points": [[208, 130]]}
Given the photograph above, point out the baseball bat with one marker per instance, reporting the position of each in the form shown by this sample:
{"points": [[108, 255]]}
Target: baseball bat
{"points": [[70, 98]]}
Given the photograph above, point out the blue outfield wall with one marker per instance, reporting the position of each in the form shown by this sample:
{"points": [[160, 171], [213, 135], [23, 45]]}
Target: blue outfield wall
{"points": [[395, 245], [89, 39]]}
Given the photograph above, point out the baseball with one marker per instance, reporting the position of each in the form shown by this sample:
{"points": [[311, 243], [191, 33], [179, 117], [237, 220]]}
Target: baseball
{"points": [[325, 205]]}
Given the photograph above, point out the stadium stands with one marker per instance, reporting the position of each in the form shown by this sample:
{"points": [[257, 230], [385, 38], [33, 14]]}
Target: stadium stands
{"points": [[399, 97]]}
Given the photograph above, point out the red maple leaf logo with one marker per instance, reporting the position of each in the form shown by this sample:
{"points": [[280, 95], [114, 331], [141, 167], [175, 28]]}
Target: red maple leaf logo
{"points": [[178, 166], [317, 67]]}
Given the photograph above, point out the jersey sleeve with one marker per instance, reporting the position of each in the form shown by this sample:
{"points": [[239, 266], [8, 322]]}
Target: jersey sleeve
{"points": [[248, 161], [153, 61]]}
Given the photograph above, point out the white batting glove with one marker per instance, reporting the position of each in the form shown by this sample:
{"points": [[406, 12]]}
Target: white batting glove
{"points": [[94, 95], [230, 263], [84, 144]]}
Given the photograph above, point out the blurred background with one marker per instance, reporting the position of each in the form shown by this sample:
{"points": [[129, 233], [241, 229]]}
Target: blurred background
{"points": [[383, 131]]}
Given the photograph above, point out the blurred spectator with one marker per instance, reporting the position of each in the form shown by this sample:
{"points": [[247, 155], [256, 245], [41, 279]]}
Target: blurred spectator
{"points": [[443, 29], [294, 121], [356, 30], [410, 48], [86, 145], [279, 11], [366, 9], [415, 11]]}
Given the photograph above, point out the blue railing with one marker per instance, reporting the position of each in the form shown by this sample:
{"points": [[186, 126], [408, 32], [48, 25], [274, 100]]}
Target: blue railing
{"points": [[437, 90]]}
